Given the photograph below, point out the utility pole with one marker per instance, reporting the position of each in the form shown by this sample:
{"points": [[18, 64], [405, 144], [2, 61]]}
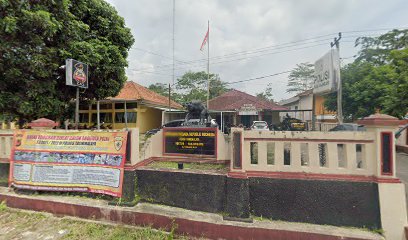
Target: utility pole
{"points": [[339, 85], [174, 27], [169, 97], [208, 65]]}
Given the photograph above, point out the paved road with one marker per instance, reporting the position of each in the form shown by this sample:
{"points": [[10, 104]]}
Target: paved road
{"points": [[402, 171]]}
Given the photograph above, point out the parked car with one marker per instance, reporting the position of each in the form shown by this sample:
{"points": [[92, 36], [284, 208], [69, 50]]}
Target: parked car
{"points": [[259, 125], [195, 122], [348, 127], [174, 123]]}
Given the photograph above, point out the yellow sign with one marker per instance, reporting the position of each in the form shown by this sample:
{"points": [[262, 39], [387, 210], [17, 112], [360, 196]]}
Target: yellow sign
{"points": [[69, 161]]}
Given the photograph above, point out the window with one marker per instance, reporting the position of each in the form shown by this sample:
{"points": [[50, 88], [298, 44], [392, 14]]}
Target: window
{"points": [[129, 105], [83, 107], [102, 106], [120, 117], [104, 117], [83, 117]]}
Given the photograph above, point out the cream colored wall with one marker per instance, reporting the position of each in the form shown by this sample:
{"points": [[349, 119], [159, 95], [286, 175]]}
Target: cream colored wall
{"points": [[148, 118], [153, 146], [6, 144], [134, 146], [393, 210], [223, 146]]}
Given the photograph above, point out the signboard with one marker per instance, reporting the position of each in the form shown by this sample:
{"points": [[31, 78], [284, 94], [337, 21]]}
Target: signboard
{"points": [[76, 73], [248, 109], [190, 141], [68, 161], [327, 73]]}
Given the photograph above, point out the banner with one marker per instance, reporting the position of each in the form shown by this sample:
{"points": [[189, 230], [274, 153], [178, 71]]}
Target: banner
{"points": [[190, 141], [69, 161]]}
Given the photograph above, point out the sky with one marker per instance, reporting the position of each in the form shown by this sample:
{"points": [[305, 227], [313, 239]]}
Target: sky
{"points": [[248, 38]]}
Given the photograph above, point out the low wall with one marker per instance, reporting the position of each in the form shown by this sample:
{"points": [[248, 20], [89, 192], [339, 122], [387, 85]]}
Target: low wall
{"points": [[202, 192], [336, 203]]}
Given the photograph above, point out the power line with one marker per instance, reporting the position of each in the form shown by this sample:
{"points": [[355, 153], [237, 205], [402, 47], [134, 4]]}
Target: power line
{"points": [[163, 68], [257, 78], [279, 46], [267, 47]]}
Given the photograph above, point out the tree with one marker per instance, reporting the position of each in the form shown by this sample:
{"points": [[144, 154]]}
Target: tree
{"points": [[267, 94], [301, 78], [377, 50], [160, 88], [37, 37], [377, 79], [163, 89], [193, 86]]}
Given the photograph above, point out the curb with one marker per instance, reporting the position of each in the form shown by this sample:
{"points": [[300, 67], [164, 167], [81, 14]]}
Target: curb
{"points": [[223, 230]]}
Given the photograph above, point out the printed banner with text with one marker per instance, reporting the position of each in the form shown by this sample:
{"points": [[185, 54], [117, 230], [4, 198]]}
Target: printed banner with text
{"points": [[68, 161]]}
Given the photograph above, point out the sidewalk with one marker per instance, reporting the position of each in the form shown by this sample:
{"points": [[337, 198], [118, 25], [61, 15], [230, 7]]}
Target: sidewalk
{"points": [[192, 223]]}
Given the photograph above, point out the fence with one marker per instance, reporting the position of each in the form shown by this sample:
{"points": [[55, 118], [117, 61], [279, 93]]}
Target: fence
{"points": [[307, 152]]}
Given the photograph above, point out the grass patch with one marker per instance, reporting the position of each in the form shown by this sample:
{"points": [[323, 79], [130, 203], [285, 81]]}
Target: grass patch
{"points": [[3, 206], [19, 224], [194, 166]]}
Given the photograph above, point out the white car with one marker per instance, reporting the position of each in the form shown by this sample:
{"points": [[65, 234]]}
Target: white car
{"points": [[260, 125]]}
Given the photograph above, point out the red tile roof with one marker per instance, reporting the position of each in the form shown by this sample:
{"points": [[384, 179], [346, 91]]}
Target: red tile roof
{"points": [[134, 91], [234, 99]]}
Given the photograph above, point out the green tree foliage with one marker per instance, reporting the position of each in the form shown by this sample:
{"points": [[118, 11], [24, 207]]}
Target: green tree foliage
{"points": [[37, 37], [301, 78], [266, 94], [160, 88], [377, 79], [193, 86]]}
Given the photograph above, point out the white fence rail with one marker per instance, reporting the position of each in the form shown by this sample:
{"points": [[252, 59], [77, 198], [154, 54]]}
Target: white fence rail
{"points": [[349, 153]]}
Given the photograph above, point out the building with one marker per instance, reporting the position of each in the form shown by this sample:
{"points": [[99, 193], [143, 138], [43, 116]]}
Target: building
{"points": [[300, 107], [236, 107], [143, 109]]}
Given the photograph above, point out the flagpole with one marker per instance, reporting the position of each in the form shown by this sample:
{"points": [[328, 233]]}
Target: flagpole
{"points": [[208, 65]]}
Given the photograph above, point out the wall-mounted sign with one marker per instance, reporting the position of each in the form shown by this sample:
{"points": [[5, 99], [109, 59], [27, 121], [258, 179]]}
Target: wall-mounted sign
{"points": [[76, 73], [247, 109], [190, 141], [327, 73], [69, 161]]}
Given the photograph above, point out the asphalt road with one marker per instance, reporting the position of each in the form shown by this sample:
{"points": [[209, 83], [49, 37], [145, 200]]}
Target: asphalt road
{"points": [[402, 171]]}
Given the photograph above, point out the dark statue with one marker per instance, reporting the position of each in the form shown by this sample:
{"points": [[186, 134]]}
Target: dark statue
{"points": [[196, 110]]}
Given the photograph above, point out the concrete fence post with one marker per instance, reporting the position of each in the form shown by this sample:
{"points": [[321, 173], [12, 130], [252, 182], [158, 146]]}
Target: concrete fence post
{"points": [[391, 191]]}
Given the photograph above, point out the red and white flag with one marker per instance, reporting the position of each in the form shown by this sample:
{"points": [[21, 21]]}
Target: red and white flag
{"points": [[205, 39]]}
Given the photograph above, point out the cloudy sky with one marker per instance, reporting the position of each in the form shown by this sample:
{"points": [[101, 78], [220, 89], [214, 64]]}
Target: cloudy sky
{"points": [[248, 38]]}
